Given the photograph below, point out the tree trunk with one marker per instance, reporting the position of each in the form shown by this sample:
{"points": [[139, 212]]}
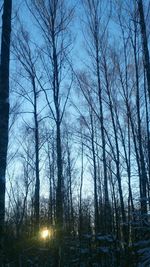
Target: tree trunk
{"points": [[117, 157], [4, 106], [143, 177], [59, 193], [147, 127], [50, 204], [95, 176], [70, 204], [144, 44], [81, 186], [37, 171]]}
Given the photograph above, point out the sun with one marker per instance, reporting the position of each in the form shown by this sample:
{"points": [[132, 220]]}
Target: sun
{"points": [[45, 233]]}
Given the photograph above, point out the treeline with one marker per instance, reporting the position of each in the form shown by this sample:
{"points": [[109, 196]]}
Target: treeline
{"points": [[79, 124]]}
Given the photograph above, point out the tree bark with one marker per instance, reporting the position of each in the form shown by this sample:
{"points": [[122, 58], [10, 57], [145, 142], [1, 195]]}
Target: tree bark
{"points": [[143, 176], [144, 44], [81, 186], [37, 171], [95, 176], [4, 105]]}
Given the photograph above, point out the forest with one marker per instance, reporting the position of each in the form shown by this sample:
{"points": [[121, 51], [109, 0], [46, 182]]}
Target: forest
{"points": [[74, 133]]}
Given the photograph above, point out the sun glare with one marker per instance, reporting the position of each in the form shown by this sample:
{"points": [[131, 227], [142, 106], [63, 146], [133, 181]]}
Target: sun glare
{"points": [[45, 233]]}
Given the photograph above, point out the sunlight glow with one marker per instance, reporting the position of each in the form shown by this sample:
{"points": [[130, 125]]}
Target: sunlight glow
{"points": [[45, 233]]}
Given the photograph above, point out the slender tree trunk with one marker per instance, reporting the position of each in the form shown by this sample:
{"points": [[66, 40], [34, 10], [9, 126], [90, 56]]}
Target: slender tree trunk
{"points": [[80, 196], [99, 188], [137, 141], [59, 193], [147, 128], [115, 210], [143, 177], [144, 44], [37, 171], [106, 198], [4, 106], [126, 95], [117, 157], [56, 89], [50, 206], [71, 213], [95, 176]]}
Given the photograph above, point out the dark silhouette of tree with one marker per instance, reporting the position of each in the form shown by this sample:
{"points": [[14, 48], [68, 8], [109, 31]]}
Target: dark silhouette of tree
{"points": [[95, 42], [4, 105], [144, 44], [27, 60], [54, 18]]}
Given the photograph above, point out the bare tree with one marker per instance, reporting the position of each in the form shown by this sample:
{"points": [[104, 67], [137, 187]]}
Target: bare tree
{"points": [[93, 10], [53, 19], [24, 54]]}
